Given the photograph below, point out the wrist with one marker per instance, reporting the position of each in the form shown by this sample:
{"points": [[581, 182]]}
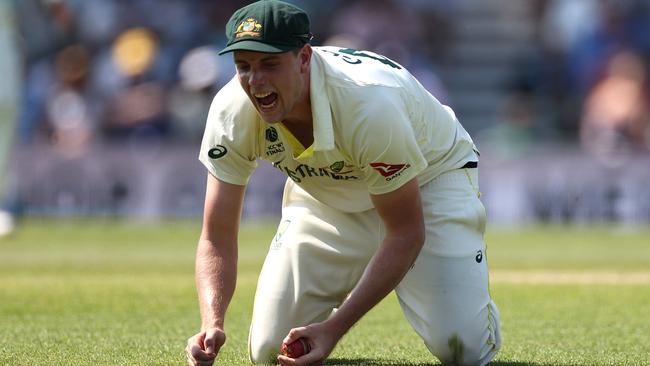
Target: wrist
{"points": [[217, 323], [338, 324]]}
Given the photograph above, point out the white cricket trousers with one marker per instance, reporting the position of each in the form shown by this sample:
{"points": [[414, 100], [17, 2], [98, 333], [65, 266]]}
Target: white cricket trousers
{"points": [[319, 254]]}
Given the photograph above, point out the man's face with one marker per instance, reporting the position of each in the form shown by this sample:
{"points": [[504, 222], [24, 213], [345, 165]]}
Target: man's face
{"points": [[274, 82]]}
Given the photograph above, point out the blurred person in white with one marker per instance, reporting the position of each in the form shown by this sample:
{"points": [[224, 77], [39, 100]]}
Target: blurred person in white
{"points": [[564, 23], [9, 91], [616, 115], [198, 73], [68, 106]]}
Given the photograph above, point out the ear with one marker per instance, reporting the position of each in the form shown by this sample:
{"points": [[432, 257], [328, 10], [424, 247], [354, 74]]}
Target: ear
{"points": [[305, 58]]}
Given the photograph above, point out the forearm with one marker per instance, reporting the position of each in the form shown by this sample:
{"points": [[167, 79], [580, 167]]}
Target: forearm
{"points": [[384, 272], [216, 273]]}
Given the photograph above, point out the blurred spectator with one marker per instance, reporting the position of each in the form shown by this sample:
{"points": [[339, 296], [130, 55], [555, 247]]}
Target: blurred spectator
{"points": [[145, 71], [45, 25], [97, 21], [110, 71], [565, 23], [190, 100], [101, 69], [104, 70], [616, 29], [139, 110], [390, 28], [45, 28], [67, 106], [575, 40], [413, 35], [616, 116]]}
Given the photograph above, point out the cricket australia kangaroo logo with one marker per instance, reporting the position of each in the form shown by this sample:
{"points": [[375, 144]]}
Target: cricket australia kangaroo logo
{"points": [[249, 27]]}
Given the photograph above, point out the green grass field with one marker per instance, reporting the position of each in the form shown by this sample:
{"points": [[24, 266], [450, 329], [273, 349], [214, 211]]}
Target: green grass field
{"points": [[110, 293]]}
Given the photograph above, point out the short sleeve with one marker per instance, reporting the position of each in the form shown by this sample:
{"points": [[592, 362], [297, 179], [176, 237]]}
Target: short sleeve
{"points": [[386, 147], [228, 149]]}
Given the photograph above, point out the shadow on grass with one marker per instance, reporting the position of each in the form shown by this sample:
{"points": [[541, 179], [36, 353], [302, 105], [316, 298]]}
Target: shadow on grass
{"points": [[371, 362], [515, 363]]}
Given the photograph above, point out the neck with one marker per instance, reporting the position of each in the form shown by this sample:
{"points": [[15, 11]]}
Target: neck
{"points": [[302, 130], [300, 121], [301, 113]]}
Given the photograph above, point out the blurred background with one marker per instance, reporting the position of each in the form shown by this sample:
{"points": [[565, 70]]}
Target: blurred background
{"points": [[103, 102]]}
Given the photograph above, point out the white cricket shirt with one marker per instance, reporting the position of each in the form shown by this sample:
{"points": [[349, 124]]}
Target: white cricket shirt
{"points": [[375, 128]]}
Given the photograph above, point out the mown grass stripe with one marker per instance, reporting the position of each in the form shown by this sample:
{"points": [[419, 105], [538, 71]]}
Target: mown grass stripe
{"points": [[570, 277]]}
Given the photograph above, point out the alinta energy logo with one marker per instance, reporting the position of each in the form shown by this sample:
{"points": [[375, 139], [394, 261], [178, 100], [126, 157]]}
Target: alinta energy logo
{"points": [[303, 171], [390, 171]]}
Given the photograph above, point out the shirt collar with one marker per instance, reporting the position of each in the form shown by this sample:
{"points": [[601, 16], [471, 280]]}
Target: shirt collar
{"points": [[320, 107]]}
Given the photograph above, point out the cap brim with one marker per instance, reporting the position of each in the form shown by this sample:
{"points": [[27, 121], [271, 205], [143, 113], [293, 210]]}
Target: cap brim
{"points": [[255, 46]]}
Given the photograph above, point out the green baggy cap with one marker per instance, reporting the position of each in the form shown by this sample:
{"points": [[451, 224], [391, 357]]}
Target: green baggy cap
{"points": [[268, 26]]}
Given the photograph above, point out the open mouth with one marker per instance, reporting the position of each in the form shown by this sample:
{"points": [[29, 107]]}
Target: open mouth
{"points": [[266, 100]]}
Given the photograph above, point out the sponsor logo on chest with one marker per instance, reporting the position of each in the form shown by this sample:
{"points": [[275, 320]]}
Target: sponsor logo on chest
{"points": [[300, 172], [337, 171]]}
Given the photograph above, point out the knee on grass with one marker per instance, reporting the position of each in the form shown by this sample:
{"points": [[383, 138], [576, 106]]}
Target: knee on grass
{"points": [[264, 349], [456, 351]]}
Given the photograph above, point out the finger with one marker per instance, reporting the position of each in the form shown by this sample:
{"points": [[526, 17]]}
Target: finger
{"points": [[213, 341], [301, 361], [284, 361], [307, 359], [196, 340], [188, 351], [200, 355], [196, 349], [294, 334], [209, 345], [190, 360], [205, 363], [194, 362]]}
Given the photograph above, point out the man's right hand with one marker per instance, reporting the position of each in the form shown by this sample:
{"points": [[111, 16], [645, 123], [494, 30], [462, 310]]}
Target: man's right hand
{"points": [[203, 347]]}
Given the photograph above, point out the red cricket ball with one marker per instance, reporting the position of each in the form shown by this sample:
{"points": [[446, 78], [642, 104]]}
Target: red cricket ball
{"points": [[295, 349]]}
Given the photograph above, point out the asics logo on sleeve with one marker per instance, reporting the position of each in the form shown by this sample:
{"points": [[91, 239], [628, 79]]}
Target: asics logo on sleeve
{"points": [[217, 152]]}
